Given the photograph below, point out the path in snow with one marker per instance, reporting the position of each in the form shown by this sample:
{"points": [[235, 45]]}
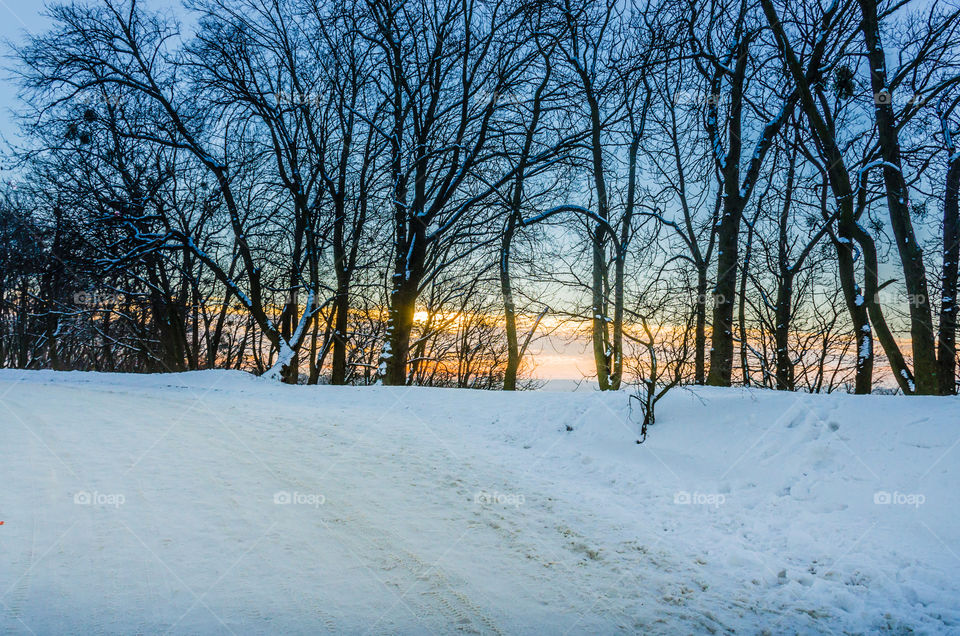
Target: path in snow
{"points": [[419, 510]]}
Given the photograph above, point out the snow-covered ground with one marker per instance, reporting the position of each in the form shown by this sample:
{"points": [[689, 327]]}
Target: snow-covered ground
{"points": [[215, 502]]}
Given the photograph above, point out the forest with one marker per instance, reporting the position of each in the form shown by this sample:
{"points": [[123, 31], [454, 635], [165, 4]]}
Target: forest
{"points": [[421, 192]]}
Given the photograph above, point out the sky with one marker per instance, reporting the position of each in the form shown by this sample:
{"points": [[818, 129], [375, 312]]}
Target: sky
{"points": [[556, 357], [17, 18]]}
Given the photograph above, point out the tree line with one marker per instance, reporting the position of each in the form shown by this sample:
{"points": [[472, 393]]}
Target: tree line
{"points": [[715, 192]]}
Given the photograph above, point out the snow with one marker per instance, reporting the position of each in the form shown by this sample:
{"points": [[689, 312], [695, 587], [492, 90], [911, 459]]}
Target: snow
{"points": [[216, 502], [284, 356], [906, 376]]}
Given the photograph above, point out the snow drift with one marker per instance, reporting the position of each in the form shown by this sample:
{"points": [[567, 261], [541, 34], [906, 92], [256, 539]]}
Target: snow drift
{"points": [[215, 502]]}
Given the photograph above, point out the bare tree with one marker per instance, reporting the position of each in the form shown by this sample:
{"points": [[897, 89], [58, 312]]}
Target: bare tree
{"points": [[728, 62]]}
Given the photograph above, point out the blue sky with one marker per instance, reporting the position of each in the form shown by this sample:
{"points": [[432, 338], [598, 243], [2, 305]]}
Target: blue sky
{"points": [[17, 18]]}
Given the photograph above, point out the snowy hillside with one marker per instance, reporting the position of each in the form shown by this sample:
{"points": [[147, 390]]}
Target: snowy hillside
{"points": [[215, 502]]}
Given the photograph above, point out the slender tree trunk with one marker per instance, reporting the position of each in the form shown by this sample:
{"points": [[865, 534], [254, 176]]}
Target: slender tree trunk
{"points": [[898, 203], [291, 372], [341, 303], [601, 327], [620, 264], [742, 310], [856, 306], [509, 231], [947, 329], [602, 353], [313, 369], [616, 345], [781, 334], [193, 353], [783, 311], [509, 308], [699, 362], [341, 309], [52, 324]]}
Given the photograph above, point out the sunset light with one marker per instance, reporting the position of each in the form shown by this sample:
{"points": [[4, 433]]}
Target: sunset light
{"points": [[526, 317]]}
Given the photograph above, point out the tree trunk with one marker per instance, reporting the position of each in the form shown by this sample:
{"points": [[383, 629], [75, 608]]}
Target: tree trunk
{"points": [[699, 363], [601, 339], [898, 203], [620, 264], [856, 306], [402, 309], [509, 308], [728, 235], [783, 313], [291, 371], [341, 309], [721, 349], [601, 332], [742, 310], [947, 329], [616, 346]]}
